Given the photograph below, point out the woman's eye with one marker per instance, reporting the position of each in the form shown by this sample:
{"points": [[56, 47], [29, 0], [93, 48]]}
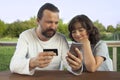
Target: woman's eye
{"points": [[80, 30], [73, 31]]}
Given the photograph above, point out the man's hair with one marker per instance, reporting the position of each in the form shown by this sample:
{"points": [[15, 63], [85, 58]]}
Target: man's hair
{"points": [[46, 6]]}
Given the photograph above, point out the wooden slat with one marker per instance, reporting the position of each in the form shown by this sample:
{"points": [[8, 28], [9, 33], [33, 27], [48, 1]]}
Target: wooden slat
{"points": [[113, 43], [115, 58], [8, 43]]}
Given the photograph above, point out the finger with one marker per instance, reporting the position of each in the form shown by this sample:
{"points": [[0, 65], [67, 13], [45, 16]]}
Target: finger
{"points": [[74, 58], [43, 65], [44, 62], [70, 61], [79, 53], [75, 67], [73, 64], [49, 53], [45, 57], [70, 55]]}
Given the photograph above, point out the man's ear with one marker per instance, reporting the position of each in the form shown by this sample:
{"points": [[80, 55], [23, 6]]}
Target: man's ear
{"points": [[37, 19]]}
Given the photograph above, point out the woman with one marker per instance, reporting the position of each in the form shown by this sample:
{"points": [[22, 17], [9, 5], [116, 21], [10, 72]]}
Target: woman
{"points": [[95, 52]]}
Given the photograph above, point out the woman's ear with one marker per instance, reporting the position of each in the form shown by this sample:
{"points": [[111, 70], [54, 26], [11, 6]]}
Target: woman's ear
{"points": [[70, 36]]}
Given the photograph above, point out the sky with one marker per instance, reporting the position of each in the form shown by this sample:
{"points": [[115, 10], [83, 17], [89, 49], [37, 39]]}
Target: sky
{"points": [[106, 12]]}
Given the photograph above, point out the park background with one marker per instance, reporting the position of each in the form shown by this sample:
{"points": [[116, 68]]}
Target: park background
{"points": [[18, 16]]}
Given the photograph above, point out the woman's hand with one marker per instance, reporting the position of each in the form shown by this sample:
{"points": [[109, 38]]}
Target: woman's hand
{"points": [[84, 39], [73, 61]]}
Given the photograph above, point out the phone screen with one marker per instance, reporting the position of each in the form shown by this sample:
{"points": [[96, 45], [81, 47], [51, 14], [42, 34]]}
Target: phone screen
{"points": [[75, 45], [54, 50]]}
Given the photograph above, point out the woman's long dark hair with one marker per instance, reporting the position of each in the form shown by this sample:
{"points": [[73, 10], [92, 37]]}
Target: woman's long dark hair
{"points": [[87, 24]]}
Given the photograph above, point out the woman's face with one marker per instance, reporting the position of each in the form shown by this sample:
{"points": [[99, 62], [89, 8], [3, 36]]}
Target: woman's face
{"points": [[79, 33]]}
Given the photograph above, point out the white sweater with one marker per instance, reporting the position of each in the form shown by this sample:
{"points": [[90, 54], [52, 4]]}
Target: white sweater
{"points": [[29, 45]]}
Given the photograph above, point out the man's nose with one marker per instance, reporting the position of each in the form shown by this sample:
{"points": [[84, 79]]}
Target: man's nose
{"points": [[53, 25]]}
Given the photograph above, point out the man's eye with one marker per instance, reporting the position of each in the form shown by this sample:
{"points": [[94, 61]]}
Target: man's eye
{"points": [[56, 22]]}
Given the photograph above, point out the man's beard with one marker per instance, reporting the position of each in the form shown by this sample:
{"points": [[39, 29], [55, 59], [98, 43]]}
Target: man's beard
{"points": [[48, 33]]}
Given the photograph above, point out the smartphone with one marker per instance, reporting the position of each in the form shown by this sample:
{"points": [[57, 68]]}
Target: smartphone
{"points": [[54, 50], [75, 45]]}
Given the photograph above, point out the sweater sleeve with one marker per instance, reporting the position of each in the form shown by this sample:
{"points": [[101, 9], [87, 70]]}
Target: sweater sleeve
{"points": [[19, 62]]}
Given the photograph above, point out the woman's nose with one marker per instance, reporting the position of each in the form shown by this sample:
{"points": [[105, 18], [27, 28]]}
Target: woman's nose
{"points": [[77, 33]]}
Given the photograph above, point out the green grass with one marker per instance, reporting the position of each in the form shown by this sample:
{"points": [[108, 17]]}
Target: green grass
{"points": [[8, 39], [6, 53], [118, 58]]}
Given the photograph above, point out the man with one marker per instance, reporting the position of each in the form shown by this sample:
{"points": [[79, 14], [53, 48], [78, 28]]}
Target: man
{"points": [[30, 54]]}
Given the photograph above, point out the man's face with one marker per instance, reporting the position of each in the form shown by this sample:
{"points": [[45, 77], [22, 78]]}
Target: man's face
{"points": [[49, 23]]}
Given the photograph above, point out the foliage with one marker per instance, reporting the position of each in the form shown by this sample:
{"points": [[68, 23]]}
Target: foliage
{"points": [[116, 35], [15, 28], [2, 28], [118, 28], [63, 28], [100, 26], [106, 36], [110, 28]]}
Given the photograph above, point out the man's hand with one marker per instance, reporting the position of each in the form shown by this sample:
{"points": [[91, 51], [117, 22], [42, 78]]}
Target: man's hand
{"points": [[42, 60], [73, 61]]}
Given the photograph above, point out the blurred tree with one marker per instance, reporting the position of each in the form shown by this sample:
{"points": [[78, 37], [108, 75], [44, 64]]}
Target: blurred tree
{"points": [[99, 26], [15, 28], [117, 27], [110, 28], [116, 35], [63, 28], [2, 28]]}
